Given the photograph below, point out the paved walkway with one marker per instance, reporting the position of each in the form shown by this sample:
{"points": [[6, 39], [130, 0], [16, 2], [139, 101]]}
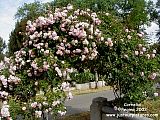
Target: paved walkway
{"points": [[81, 103]]}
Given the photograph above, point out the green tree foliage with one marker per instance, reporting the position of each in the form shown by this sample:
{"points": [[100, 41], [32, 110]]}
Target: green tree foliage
{"points": [[26, 12], [133, 13], [94, 5], [16, 37], [30, 11], [2, 47], [158, 17]]}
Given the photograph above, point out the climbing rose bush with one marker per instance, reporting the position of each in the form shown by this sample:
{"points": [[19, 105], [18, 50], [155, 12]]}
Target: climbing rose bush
{"points": [[34, 82], [72, 34], [130, 65]]}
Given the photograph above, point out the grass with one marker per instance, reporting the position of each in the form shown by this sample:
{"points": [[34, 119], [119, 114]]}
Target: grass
{"points": [[80, 92], [81, 116], [153, 107]]}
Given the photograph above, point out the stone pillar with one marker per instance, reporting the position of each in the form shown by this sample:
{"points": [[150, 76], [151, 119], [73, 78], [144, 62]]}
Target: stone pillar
{"points": [[96, 79], [96, 108]]}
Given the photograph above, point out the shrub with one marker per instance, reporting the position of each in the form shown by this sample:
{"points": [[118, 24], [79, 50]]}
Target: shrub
{"points": [[128, 61]]}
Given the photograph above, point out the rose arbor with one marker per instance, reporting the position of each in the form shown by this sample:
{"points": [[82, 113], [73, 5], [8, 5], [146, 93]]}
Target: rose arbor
{"points": [[33, 81]]}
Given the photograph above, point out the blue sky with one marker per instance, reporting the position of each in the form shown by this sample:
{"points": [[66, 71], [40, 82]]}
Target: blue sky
{"points": [[8, 9]]}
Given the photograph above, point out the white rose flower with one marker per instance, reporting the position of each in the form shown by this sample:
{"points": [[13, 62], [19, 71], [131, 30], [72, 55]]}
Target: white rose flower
{"points": [[156, 94], [23, 108], [154, 51], [136, 52]]}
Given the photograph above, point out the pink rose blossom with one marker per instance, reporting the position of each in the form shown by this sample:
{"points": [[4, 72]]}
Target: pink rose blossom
{"points": [[67, 51], [153, 76], [29, 74], [156, 94], [139, 35], [69, 7], [86, 50], [46, 45], [54, 34], [102, 38], [30, 42], [45, 67], [59, 52], [107, 14], [106, 42], [154, 51], [136, 53], [46, 52], [55, 103], [62, 113], [126, 30], [58, 71], [141, 52], [144, 49], [38, 114], [148, 56], [83, 57], [23, 108], [126, 56], [85, 42], [139, 45], [109, 42], [77, 51], [129, 37], [153, 55], [34, 105], [142, 74]]}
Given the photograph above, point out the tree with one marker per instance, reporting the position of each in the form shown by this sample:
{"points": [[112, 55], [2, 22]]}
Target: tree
{"points": [[30, 11], [26, 12], [158, 17], [2, 47], [16, 37], [133, 13]]}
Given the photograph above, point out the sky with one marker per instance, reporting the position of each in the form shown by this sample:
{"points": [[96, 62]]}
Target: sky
{"points": [[8, 9]]}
